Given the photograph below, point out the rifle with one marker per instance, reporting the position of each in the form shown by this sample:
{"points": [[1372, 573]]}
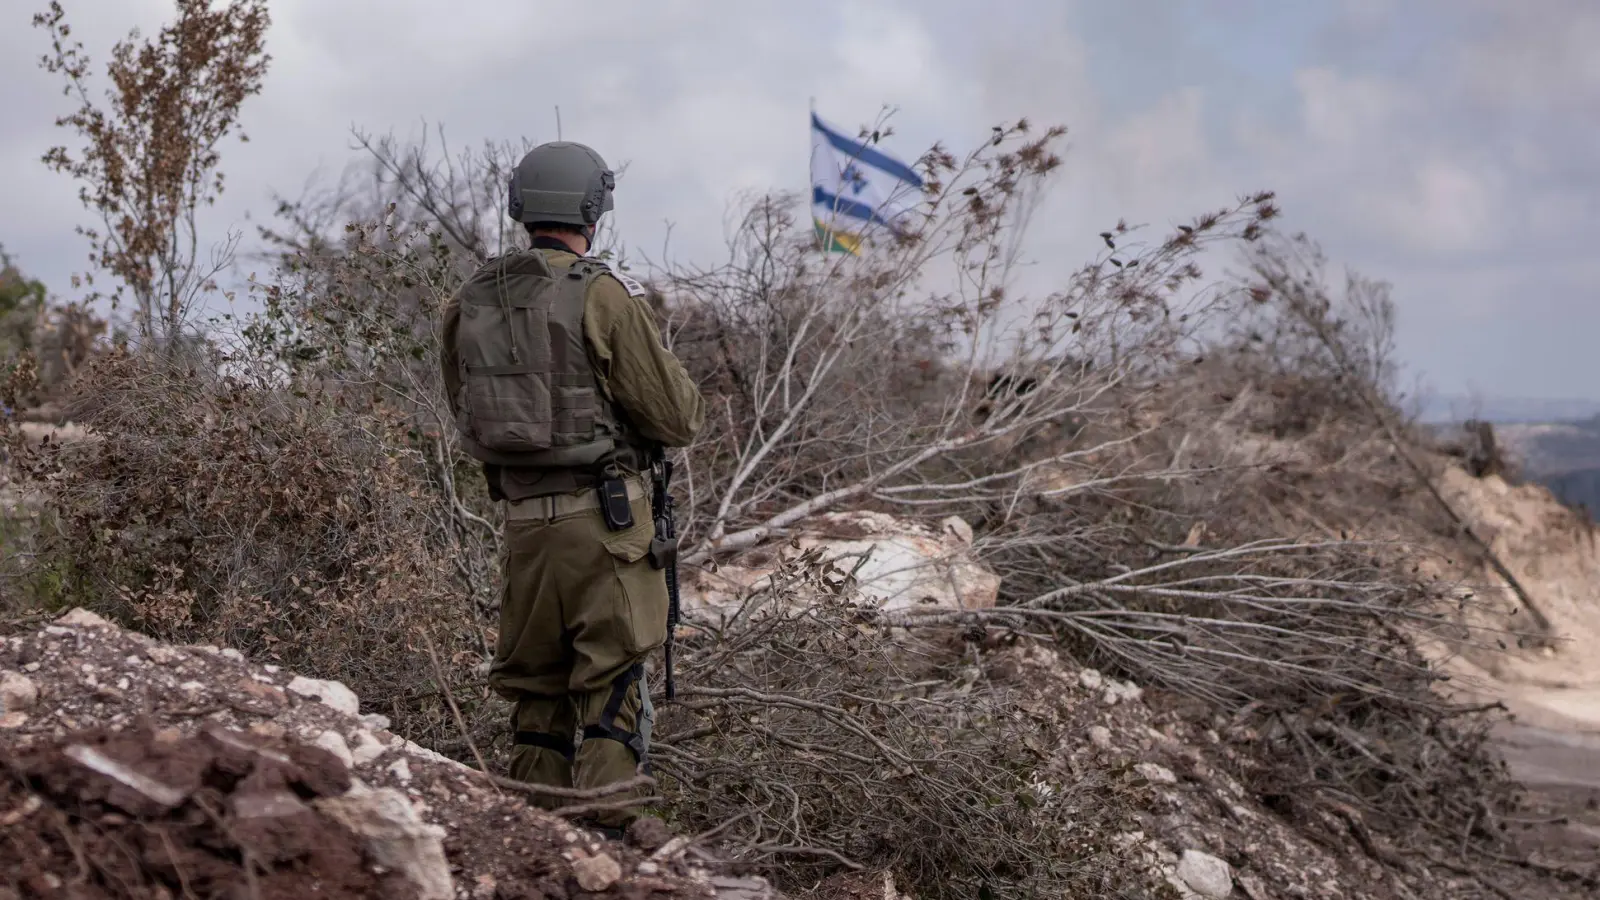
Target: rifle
{"points": [[664, 550]]}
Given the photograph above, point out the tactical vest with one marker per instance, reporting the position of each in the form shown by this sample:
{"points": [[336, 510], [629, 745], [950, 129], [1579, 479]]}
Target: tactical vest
{"points": [[529, 396]]}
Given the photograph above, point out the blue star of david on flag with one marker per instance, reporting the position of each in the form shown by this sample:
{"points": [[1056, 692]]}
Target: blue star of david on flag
{"points": [[856, 187], [858, 181]]}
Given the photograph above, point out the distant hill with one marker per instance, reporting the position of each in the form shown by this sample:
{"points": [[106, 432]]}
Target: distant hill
{"points": [[1562, 455], [1578, 488], [1552, 441], [1548, 449]]}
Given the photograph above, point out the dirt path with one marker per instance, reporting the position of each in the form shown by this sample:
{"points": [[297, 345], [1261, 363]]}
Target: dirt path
{"points": [[1552, 747], [1561, 768], [1544, 757]]}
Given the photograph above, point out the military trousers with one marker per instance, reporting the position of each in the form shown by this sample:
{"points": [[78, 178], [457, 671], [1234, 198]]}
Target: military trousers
{"points": [[581, 609]]}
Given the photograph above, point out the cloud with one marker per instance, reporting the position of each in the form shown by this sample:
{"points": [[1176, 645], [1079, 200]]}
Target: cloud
{"points": [[1530, 60], [1340, 113], [887, 49], [1365, 15], [1155, 154], [1448, 146], [1445, 207], [1401, 185]]}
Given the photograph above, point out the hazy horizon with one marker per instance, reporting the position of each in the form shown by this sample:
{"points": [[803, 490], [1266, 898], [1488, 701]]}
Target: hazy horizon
{"points": [[1457, 407]]}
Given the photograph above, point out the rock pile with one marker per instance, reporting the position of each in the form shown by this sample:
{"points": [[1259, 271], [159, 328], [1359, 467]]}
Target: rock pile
{"points": [[144, 813], [133, 769], [895, 563]]}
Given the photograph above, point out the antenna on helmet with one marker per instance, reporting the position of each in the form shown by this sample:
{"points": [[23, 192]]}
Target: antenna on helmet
{"points": [[558, 121]]}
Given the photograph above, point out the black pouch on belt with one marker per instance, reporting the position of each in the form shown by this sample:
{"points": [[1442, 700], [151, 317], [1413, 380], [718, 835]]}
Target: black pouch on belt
{"points": [[614, 505]]}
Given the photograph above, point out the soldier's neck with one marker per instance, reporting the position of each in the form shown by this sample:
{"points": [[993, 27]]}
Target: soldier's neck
{"points": [[552, 240]]}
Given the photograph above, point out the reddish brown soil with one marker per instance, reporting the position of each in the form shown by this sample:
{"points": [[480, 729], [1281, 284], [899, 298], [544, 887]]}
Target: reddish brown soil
{"points": [[176, 713], [202, 816]]}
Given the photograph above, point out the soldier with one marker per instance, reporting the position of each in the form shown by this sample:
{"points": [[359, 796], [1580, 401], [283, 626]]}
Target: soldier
{"points": [[562, 388]]}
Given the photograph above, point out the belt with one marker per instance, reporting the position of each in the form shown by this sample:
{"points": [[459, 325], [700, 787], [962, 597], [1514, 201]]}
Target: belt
{"points": [[559, 505]]}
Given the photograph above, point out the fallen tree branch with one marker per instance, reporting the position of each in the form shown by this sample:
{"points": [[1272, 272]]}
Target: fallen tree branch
{"points": [[548, 790], [585, 809]]}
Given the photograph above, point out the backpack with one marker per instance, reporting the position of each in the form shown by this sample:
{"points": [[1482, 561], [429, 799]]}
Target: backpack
{"points": [[529, 395]]}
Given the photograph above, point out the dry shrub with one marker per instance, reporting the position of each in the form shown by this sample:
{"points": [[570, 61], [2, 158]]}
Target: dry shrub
{"points": [[208, 507], [1252, 544], [1304, 657], [292, 485], [811, 735], [43, 342], [354, 321]]}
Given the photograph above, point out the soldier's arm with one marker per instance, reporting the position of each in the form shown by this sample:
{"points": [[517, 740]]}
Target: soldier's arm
{"points": [[641, 374], [449, 364]]}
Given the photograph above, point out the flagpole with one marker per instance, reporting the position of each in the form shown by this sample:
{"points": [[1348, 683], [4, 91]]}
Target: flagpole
{"points": [[825, 239]]}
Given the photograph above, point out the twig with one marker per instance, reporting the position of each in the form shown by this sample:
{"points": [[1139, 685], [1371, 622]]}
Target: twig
{"points": [[1174, 548], [713, 832], [1475, 874], [550, 790], [449, 697], [782, 850], [585, 809], [1380, 412]]}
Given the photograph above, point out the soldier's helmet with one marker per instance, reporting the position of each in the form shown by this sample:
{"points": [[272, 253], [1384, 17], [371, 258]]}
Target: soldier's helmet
{"points": [[563, 182]]}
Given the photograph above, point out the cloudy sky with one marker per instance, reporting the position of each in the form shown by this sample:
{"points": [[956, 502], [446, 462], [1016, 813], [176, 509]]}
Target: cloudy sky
{"points": [[1450, 147]]}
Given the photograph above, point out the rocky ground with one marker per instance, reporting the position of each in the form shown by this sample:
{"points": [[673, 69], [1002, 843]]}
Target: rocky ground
{"points": [[129, 768], [897, 563], [1206, 835], [132, 769]]}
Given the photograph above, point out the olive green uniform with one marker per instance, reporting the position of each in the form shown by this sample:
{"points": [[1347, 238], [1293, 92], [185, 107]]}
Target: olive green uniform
{"points": [[581, 606]]}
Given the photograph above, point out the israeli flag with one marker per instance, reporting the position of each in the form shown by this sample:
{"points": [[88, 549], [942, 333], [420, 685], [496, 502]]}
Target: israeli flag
{"points": [[856, 188]]}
